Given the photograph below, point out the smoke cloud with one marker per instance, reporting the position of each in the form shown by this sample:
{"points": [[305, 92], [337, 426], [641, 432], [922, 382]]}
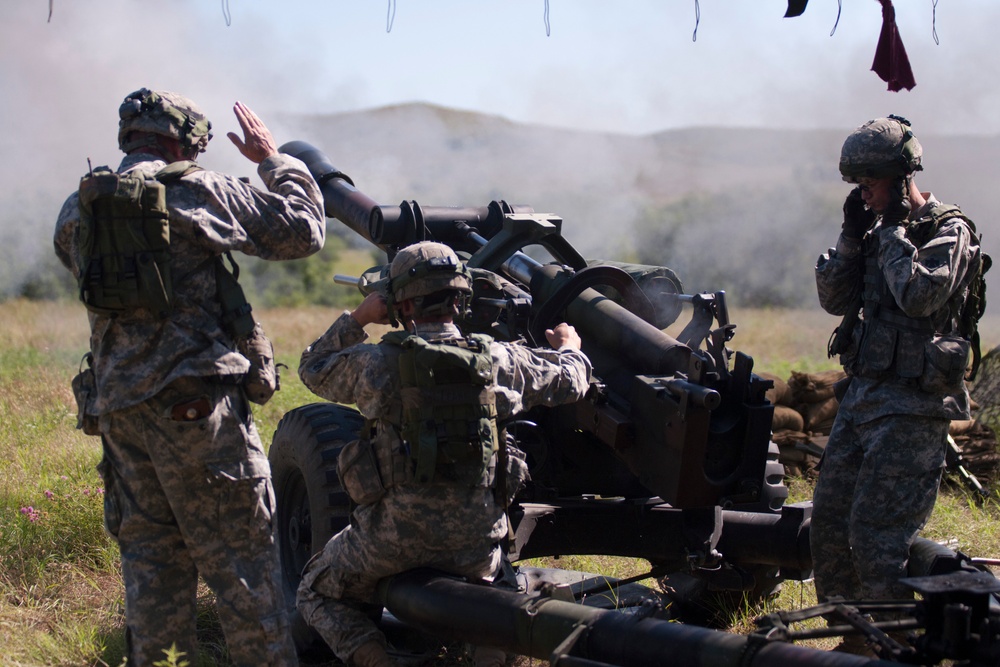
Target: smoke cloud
{"points": [[626, 77]]}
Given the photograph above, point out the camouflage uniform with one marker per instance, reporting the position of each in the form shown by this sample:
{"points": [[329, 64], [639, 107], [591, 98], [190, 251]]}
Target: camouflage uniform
{"points": [[454, 528], [188, 488], [886, 451]]}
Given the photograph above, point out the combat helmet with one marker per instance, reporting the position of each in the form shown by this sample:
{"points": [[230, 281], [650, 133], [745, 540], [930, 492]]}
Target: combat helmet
{"points": [[426, 268], [146, 113], [881, 148]]}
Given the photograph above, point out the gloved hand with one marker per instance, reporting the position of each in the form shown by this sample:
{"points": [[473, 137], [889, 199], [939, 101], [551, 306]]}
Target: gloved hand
{"points": [[898, 209], [858, 218]]}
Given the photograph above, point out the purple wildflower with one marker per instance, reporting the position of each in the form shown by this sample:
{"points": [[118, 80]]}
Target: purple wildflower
{"points": [[31, 513]]}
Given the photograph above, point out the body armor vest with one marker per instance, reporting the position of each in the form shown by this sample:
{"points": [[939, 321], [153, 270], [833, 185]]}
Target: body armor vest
{"points": [[125, 240], [448, 419], [912, 348]]}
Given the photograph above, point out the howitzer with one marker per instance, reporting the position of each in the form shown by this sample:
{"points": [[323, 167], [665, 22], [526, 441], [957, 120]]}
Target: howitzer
{"points": [[667, 459]]}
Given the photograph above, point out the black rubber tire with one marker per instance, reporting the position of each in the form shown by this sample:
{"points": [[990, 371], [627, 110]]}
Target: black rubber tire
{"points": [[311, 504]]}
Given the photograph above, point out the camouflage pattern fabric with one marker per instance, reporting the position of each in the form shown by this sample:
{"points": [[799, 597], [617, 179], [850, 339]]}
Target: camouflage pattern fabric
{"points": [[880, 473], [876, 489], [188, 493], [925, 281], [456, 529], [188, 486], [137, 355]]}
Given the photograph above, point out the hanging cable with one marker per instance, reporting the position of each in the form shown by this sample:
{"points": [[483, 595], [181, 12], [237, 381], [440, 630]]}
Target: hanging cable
{"points": [[840, 6], [226, 13], [390, 15], [934, 22], [50, 11], [548, 27], [697, 20]]}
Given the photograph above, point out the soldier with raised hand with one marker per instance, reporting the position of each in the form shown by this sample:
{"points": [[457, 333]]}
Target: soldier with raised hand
{"points": [[187, 484], [900, 275], [419, 504]]}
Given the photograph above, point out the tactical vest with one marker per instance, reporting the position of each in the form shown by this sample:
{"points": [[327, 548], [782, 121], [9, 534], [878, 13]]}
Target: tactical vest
{"points": [[125, 264], [125, 241], [893, 343], [448, 423]]}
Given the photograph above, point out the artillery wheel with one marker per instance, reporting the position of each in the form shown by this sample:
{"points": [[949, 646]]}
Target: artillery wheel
{"points": [[311, 505]]}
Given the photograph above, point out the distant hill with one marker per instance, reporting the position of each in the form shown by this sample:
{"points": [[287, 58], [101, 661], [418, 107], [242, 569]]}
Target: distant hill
{"points": [[762, 191], [746, 210]]}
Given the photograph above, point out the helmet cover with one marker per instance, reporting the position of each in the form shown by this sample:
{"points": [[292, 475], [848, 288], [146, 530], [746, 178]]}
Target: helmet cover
{"points": [[146, 112], [425, 268], [881, 148]]}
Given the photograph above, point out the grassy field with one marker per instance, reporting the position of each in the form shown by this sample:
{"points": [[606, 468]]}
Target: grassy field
{"points": [[60, 592]]}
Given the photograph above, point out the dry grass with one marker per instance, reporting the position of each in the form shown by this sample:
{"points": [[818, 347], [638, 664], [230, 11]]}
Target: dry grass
{"points": [[60, 594]]}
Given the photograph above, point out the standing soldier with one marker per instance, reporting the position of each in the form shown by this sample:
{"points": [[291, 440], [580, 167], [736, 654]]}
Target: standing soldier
{"points": [[424, 473], [187, 485], [905, 261]]}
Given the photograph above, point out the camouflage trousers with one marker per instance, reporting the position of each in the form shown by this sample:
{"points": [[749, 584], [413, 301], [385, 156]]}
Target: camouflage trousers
{"points": [[188, 492], [877, 486], [337, 595]]}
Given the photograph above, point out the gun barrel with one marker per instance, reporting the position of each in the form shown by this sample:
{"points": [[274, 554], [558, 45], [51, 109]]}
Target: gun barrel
{"points": [[388, 226], [601, 321], [341, 279], [545, 627], [341, 200]]}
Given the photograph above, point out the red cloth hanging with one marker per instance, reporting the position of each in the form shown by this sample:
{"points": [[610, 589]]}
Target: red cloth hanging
{"points": [[891, 63]]}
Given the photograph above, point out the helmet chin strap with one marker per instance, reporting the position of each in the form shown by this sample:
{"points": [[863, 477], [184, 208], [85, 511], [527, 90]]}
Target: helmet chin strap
{"points": [[390, 305]]}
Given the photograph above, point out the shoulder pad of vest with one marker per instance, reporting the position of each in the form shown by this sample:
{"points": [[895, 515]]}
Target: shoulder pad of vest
{"points": [[396, 337], [482, 339], [176, 170]]}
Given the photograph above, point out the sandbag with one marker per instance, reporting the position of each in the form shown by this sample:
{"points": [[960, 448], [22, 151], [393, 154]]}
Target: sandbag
{"points": [[819, 416], [780, 393], [787, 419], [814, 387]]}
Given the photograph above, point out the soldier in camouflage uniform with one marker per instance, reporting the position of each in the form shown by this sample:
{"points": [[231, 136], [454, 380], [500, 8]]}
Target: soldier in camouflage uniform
{"points": [[904, 260], [187, 484], [453, 527]]}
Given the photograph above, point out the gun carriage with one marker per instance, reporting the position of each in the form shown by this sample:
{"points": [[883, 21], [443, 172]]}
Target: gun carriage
{"points": [[667, 459]]}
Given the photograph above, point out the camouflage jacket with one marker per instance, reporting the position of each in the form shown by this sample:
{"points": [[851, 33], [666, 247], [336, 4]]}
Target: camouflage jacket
{"points": [[137, 355], [926, 281], [340, 367]]}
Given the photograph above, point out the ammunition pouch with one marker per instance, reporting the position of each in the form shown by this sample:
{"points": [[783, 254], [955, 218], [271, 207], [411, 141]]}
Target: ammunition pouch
{"points": [[85, 392], [357, 467], [934, 362], [945, 360], [515, 466], [263, 378]]}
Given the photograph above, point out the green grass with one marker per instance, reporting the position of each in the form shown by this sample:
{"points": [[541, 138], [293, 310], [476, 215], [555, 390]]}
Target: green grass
{"points": [[60, 590]]}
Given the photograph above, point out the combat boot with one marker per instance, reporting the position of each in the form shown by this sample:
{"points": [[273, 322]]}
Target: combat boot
{"points": [[371, 654]]}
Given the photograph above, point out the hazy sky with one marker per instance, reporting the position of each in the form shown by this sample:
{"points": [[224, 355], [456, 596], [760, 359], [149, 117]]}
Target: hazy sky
{"points": [[628, 67]]}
